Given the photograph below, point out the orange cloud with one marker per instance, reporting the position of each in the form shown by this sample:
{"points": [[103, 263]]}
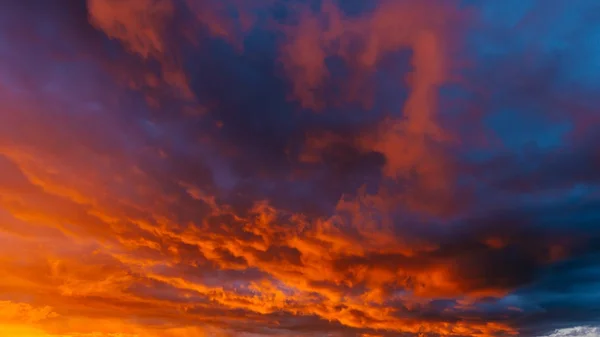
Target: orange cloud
{"points": [[110, 227], [361, 42], [299, 264], [413, 144], [140, 24]]}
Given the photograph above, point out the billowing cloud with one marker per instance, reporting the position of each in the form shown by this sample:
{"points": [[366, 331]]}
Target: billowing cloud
{"points": [[298, 168]]}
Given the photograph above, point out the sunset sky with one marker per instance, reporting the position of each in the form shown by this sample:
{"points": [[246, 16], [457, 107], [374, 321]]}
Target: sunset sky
{"points": [[299, 168]]}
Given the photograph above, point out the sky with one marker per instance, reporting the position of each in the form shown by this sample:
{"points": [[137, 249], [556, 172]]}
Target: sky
{"points": [[224, 168]]}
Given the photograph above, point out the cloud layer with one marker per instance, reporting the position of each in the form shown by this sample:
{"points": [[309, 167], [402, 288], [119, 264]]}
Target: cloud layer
{"points": [[299, 168]]}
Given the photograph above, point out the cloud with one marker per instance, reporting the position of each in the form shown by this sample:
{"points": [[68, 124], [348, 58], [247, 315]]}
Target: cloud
{"points": [[578, 331], [24, 312], [137, 23], [297, 168], [360, 42]]}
